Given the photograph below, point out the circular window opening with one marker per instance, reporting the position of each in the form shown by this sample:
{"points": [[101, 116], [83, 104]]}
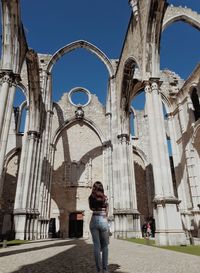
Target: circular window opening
{"points": [[79, 96]]}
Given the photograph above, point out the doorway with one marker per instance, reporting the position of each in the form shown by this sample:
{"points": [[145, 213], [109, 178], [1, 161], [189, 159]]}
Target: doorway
{"points": [[76, 225]]}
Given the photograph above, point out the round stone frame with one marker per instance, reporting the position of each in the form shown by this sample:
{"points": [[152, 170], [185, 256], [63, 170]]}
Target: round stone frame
{"points": [[76, 90]]}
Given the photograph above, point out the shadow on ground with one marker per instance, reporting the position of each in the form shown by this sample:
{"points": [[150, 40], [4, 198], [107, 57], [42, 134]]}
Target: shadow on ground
{"points": [[77, 259]]}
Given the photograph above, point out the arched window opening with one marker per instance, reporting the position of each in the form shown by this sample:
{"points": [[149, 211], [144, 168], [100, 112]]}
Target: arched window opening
{"points": [[137, 116], [93, 76], [169, 147], [22, 121], [132, 123], [175, 46], [165, 115], [196, 104], [19, 111]]}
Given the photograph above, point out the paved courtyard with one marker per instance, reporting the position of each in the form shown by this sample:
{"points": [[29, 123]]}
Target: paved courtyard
{"points": [[76, 256]]}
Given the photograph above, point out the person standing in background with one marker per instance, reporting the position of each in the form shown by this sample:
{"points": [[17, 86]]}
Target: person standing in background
{"points": [[98, 203]]}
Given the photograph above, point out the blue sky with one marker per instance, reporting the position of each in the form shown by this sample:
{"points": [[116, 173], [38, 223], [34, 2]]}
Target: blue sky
{"points": [[49, 25]]}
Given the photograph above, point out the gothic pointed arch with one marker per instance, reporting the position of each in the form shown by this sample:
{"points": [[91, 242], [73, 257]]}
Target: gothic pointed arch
{"points": [[195, 101], [174, 14], [81, 44], [131, 76], [11, 154], [73, 121]]}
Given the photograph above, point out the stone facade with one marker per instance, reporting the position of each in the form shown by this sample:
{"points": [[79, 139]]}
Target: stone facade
{"points": [[46, 173]]}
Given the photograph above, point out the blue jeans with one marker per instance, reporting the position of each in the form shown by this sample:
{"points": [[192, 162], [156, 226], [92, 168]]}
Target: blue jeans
{"points": [[100, 237]]}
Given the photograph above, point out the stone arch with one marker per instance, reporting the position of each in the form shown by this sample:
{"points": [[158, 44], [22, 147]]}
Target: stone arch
{"points": [[24, 91], [195, 134], [81, 44], [77, 169], [10, 155], [166, 103], [141, 154], [74, 120], [134, 120], [127, 86], [195, 101], [129, 68], [144, 197], [9, 178], [174, 14], [21, 108]]}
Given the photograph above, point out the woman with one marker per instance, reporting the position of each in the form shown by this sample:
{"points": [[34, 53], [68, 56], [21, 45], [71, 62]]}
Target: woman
{"points": [[98, 203]]}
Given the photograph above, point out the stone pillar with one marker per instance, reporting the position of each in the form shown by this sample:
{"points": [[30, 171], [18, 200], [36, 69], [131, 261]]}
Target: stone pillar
{"points": [[116, 189], [127, 222], [194, 188], [168, 231], [178, 169], [23, 212], [46, 178], [108, 183], [192, 177], [8, 82]]}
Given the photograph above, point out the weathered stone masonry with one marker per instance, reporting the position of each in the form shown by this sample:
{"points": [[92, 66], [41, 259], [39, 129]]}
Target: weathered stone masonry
{"points": [[46, 173]]}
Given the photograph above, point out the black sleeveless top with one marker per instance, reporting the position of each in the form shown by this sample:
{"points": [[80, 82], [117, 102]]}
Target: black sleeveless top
{"points": [[98, 201]]}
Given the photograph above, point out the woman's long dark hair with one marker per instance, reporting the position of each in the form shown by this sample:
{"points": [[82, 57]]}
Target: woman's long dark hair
{"points": [[98, 187], [97, 197]]}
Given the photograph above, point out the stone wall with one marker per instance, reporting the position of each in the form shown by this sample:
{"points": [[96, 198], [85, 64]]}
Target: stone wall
{"points": [[78, 162]]}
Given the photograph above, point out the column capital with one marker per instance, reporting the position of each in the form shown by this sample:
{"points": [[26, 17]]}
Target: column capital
{"points": [[106, 144], [123, 138], [147, 87], [166, 200], [108, 114], [8, 76], [33, 134], [126, 212], [155, 80], [50, 112]]}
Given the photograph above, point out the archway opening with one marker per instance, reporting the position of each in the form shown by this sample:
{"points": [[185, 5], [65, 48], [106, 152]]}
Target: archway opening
{"points": [[196, 104], [77, 165], [80, 68], [76, 225], [19, 111], [176, 51]]}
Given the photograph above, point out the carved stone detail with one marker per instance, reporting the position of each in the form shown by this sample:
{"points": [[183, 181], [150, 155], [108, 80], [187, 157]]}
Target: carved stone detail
{"points": [[9, 77]]}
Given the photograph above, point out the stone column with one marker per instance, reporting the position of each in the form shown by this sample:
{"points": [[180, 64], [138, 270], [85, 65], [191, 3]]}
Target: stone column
{"points": [[108, 173], [127, 215], [47, 174], [6, 78], [168, 231], [194, 188], [23, 212], [116, 190], [153, 140], [8, 82], [179, 174], [176, 159]]}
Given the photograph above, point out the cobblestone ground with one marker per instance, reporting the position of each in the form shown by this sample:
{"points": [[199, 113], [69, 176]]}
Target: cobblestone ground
{"points": [[76, 256]]}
